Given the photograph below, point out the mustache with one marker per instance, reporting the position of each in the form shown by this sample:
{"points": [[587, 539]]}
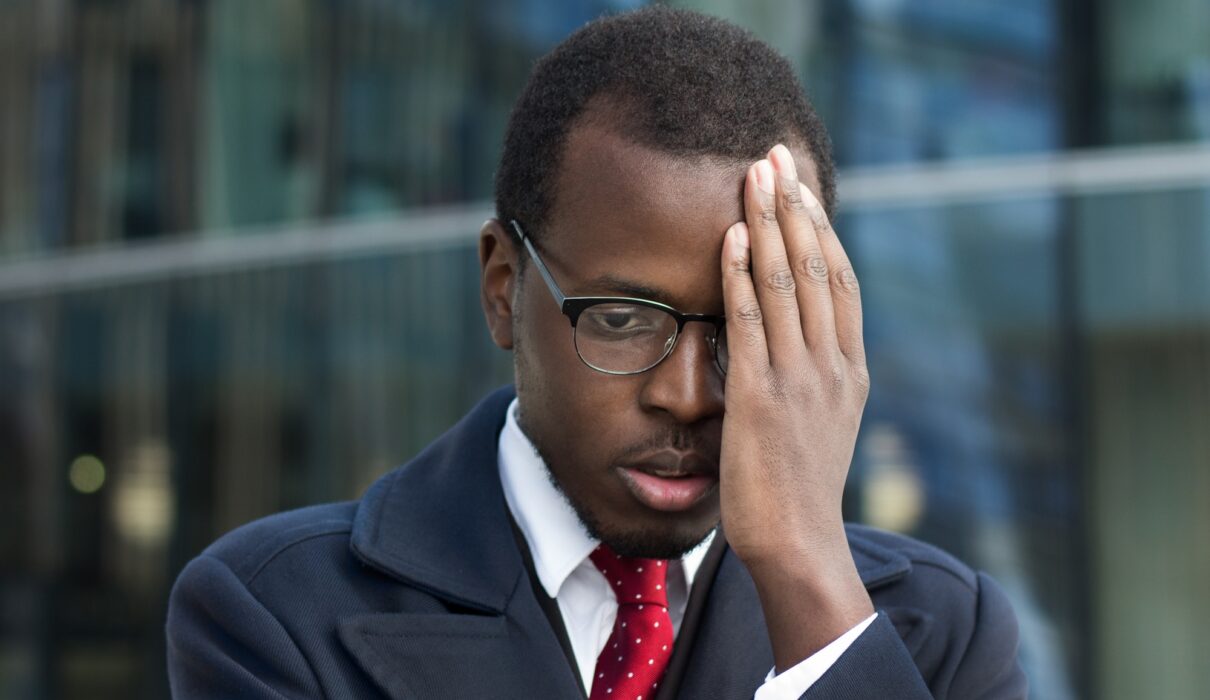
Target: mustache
{"points": [[675, 439]]}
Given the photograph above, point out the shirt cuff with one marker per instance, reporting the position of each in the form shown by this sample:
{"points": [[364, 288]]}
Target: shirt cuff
{"points": [[796, 680]]}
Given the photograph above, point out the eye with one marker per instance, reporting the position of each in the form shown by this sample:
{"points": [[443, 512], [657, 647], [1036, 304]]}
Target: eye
{"points": [[617, 320], [622, 320]]}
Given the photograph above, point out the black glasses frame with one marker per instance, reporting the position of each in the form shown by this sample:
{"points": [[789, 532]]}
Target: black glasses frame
{"points": [[572, 307]]}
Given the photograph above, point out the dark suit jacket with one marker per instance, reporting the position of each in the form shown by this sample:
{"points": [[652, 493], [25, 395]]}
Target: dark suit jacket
{"points": [[421, 590]]}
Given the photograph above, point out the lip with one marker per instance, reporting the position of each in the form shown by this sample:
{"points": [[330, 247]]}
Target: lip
{"points": [[670, 481]]}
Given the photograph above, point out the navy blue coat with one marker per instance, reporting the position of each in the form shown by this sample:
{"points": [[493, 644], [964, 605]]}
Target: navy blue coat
{"points": [[421, 590]]}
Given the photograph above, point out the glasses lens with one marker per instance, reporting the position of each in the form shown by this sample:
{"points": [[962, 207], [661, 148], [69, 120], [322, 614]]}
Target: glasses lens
{"points": [[720, 349], [623, 338]]}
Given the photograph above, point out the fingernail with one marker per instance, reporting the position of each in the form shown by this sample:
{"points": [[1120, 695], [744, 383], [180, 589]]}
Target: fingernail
{"points": [[740, 231], [784, 162], [764, 176]]}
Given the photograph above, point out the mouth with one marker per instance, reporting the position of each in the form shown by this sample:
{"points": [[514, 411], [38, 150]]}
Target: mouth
{"points": [[670, 481]]}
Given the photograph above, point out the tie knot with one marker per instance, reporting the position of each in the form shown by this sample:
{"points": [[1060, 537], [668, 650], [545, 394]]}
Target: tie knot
{"points": [[635, 581]]}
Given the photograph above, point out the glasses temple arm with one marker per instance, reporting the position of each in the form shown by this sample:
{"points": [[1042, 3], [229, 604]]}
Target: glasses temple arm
{"points": [[550, 281]]}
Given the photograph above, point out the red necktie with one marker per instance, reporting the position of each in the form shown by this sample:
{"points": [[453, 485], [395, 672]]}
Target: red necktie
{"points": [[634, 658]]}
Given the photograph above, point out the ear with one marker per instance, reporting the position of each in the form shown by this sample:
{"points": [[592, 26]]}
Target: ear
{"points": [[498, 270]]}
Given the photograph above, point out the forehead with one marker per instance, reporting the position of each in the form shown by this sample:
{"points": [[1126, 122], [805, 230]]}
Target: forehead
{"points": [[623, 186], [629, 211]]}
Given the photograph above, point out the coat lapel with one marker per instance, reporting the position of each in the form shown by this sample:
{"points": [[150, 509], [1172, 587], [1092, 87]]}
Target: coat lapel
{"points": [[440, 524]]}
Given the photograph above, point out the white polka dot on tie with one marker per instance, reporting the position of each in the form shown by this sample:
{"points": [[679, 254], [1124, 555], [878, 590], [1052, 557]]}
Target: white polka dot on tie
{"points": [[650, 662], [638, 640], [640, 607], [657, 624], [602, 675], [623, 624], [630, 675], [619, 582], [610, 690], [640, 569], [665, 647], [619, 658], [659, 563], [658, 587]]}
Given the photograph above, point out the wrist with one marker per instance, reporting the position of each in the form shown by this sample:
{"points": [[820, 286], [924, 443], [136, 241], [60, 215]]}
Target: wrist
{"points": [[809, 599], [797, 548]]}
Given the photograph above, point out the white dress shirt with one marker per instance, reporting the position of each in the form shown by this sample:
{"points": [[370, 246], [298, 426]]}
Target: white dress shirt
{"points": [[560, 546]]}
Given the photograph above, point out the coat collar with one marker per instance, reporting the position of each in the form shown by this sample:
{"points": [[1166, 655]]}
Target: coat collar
{"points": [[440, 522]]}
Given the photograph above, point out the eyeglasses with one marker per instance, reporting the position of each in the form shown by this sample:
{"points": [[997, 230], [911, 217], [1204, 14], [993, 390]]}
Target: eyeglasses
{"points": [[625, 335]]}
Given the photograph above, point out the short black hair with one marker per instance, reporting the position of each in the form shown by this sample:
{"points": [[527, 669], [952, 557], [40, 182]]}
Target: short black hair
{"points": [[688, 84]]}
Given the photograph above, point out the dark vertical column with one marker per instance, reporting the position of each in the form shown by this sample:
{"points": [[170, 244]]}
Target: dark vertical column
{"points": [[1080, 97], [331, 161], [182, 120], [1079, 57], [55, 94], [840, 29]]}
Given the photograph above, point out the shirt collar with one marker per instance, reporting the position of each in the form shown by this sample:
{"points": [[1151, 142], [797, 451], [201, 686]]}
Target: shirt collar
{"points": [[558, 541]]}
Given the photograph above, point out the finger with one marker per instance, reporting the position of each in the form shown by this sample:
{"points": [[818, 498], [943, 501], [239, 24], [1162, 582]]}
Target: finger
{"points": [[771, 275], [745, 326], [846, 293], [807, 259]]}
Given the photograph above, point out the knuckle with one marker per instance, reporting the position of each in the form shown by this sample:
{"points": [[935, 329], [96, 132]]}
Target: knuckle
{"points": [[776, 389], [836, 379], [779, 281], [768, 215], [748, 313], [814, 268], [740, 265], [831, 377], [845, 279], [861, 379], [819, 219], [791, 196]]}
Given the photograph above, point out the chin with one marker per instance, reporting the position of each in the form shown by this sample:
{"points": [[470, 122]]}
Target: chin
{"points": [[670, 541]]}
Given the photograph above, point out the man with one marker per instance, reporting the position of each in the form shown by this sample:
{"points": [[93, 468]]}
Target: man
{"points": [[686, 330]]}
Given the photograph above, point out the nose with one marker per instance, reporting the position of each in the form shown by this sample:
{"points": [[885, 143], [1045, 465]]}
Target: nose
{"points": [[687, 385]]}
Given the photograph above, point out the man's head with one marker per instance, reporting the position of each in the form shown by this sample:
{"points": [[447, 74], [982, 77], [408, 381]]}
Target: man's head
{"points": [[624, 162], [683, 83]]}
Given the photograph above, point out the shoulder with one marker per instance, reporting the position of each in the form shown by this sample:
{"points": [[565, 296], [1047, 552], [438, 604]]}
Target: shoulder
{"points": [[243, 603], [315, 532], [263, 575], [928, 593], [895, 557], [956, 622]]}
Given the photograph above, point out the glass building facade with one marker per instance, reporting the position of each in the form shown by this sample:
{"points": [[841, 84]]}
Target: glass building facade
{"points": [[238, 275]]}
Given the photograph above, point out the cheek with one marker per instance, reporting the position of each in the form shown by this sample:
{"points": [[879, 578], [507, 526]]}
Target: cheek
{"points": [[576, 414]]}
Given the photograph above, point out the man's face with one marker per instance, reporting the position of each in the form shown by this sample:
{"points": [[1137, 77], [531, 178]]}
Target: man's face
{"points": [[636, 456]]}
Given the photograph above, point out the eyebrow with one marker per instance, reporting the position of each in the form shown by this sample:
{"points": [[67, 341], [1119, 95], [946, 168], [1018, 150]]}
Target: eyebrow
{"points": [[630, 288]]}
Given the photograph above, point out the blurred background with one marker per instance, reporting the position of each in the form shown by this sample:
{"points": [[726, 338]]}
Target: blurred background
{"points": [[237, 275]]}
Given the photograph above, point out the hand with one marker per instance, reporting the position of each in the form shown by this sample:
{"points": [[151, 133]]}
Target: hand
{"points": [[796, 388]]}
